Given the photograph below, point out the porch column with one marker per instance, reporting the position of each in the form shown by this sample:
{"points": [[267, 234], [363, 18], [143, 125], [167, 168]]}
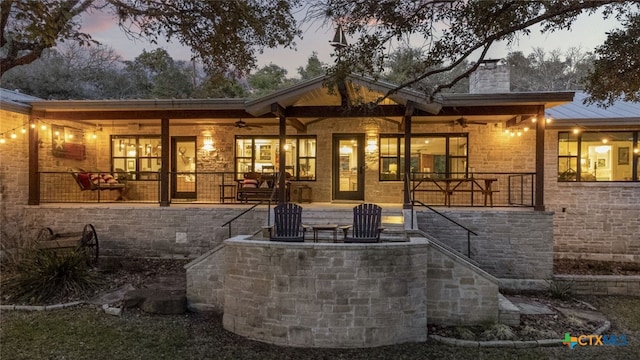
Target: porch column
{"points": [[34, 175], [164, 170], [541, 125], [282, 156], [407, 155]]}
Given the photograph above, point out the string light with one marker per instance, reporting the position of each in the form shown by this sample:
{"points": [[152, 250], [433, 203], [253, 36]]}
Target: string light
{"points": [[11, 133]]}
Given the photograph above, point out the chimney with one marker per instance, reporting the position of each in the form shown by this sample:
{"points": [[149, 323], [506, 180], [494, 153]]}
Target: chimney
{"points": [[492, 76]]}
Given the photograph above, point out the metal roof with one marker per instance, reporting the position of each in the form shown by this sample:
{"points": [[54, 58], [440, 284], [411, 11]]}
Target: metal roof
{"points": [[15, 101], [577, 112]]}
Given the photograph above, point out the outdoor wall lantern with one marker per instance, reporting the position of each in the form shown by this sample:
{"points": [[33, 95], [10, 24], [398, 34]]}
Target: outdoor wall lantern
{"points": [[208, 149]]}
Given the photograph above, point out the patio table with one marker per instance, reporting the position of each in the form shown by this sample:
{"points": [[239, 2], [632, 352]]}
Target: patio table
{"points": [[450, 185], [325, 227]]}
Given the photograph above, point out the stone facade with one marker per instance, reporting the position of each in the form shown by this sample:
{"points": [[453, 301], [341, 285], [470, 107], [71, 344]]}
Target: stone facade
{"points": [[590, 220], [340, 295], [490, 77], [624, 285], [326, 295], [458, 292], [127, 230], [595, 221], [511, 243], [205, 281], [14, 177]]}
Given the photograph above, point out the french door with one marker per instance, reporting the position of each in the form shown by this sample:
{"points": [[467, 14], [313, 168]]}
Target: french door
{"points": [[183, 167], [348, 166]]}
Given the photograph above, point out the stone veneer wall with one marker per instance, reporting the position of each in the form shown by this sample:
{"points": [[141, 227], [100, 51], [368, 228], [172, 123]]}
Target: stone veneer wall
{"points": [[511, 243], [130, 230], [340, 295], [595, 221], [326, 295], [14, 176], [627, 285], [205, 281], [458, 292]]}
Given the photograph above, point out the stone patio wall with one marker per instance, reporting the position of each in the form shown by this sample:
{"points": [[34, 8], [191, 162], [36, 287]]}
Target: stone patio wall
{"points": [[511, 243], [340, 295], [326, 295], [205, 281], [147, 230], [458, 292]]}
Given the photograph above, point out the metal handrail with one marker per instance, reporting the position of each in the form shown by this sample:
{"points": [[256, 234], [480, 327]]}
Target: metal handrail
{"points": [[469, 231], [277, 178], [244, 212]]}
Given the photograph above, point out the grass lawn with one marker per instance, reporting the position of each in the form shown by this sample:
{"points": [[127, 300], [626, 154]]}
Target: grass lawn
{"points": [[86, 333]]}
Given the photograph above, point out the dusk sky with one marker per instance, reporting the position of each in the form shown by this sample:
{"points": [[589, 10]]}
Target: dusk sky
{"points": [[587, 33]]}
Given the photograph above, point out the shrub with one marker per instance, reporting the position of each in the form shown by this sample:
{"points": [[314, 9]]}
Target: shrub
{"points": [[562, 290], [15, 241], [45, 275]]}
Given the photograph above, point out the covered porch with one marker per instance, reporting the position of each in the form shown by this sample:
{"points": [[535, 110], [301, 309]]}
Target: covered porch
{"points": [[465, 149]]}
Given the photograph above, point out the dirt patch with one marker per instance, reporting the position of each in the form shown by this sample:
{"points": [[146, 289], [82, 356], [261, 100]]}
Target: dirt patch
{"points": [[593, 267]]}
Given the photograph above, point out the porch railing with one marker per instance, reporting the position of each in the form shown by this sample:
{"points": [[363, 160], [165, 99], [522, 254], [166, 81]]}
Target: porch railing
{"points": [[141, 187], [506, 189]]}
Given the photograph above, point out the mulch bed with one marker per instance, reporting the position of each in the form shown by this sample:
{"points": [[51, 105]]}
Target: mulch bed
{"points": [[593, 267]]}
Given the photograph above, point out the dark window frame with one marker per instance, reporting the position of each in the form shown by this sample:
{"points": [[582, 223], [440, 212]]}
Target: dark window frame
{"points": [[564, 177], [134, 175], [252, 158], [400, 153]]}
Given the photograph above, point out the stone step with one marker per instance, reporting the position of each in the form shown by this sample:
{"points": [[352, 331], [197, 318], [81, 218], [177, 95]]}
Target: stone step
{"points": [[508, 313]]}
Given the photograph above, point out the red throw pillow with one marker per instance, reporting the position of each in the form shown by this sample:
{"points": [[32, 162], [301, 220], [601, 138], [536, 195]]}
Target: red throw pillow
{"points": [[250, 183], [84, 180]]}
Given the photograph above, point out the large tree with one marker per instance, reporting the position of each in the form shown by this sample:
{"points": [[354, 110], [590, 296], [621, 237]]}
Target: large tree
{"points": [[224, 34], [461, 30], [70, 72]]}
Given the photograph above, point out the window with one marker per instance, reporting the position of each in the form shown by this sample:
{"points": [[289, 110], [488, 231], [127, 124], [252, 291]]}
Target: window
{"points": [[139, 156], [262, 154], [598, 156], [436, 155]]}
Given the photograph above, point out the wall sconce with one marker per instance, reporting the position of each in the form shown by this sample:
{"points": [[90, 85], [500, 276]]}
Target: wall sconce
{"points": [[207, 148], [208, 144], [372, 145]]}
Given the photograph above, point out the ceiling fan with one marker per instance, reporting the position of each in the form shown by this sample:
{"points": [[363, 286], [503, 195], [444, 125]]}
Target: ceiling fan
{"points": [[464, 122], [241, 124]]}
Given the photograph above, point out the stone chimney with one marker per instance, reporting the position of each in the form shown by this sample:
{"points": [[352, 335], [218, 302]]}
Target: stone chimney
{"points": [[492, 76]]}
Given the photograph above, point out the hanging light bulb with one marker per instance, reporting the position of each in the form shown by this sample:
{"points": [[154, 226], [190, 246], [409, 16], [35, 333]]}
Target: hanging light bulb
{"points": [[2, 140], [43, 127], [24, 130], [13, 135]]}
